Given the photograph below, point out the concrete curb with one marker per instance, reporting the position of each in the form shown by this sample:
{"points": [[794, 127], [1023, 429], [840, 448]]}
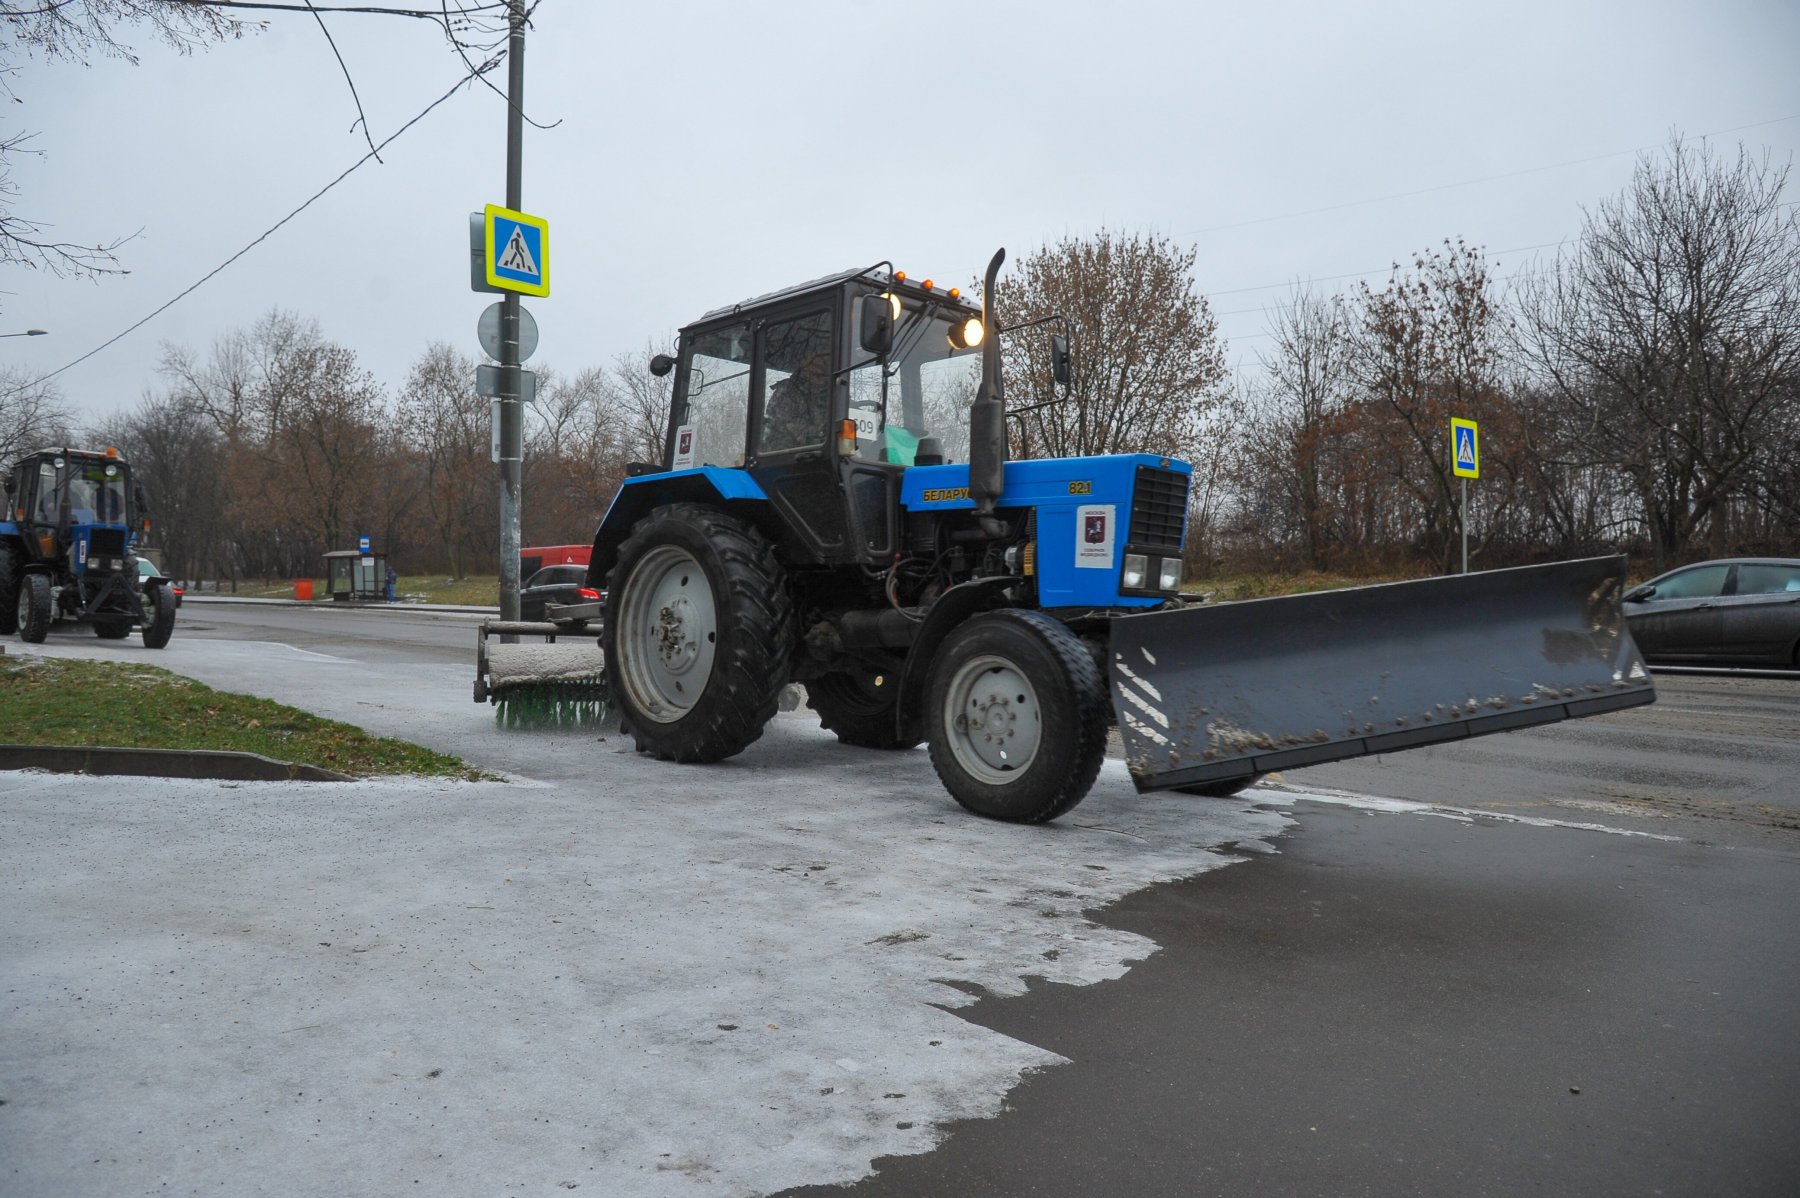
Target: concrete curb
{"points": [[217, 764]]}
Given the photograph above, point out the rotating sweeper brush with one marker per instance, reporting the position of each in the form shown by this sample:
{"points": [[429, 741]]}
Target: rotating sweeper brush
{"points": [[547, 683]]}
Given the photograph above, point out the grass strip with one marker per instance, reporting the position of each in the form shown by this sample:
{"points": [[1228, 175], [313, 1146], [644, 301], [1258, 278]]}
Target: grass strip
{"points": [[62, 701], [1225, 588]]}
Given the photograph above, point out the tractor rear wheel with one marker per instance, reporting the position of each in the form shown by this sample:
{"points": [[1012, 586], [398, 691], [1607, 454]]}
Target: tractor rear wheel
{"points": [[9, 590], [1017, 716], [698, 633], [159, 616], [33, 608], [112, 628], [858, 704]]}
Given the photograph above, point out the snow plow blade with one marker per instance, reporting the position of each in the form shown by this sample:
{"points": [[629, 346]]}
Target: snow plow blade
{"points": [[1215, 693]]}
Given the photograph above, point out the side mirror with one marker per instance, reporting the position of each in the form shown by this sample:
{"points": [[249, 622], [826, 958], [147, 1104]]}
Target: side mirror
{"points": [[1060, 367], [877, 332], [1640, 594], [661, 364]]}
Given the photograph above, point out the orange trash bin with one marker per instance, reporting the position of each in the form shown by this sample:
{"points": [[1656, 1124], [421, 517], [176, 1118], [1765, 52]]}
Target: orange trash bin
{"points": [[303, 588]]}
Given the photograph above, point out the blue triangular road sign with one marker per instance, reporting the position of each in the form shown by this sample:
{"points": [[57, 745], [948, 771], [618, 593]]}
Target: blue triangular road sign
{"points": [[1465, 448]]}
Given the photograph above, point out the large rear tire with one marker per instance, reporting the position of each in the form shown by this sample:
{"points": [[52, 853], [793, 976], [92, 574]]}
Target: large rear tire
{"points": [[33, 608], [859, 705], [159, 616], [698, 633], [1017, 716], [9, 590]]}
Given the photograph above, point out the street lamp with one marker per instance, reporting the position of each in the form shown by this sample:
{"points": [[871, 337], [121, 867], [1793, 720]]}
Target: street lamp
{"points": [[27, 333]]}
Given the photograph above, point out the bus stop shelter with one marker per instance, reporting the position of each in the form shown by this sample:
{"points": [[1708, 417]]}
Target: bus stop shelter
{"points": [[352, 574]]}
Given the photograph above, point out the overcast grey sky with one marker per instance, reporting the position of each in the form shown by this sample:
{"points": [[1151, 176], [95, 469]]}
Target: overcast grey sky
{"points": [[707, 152]]}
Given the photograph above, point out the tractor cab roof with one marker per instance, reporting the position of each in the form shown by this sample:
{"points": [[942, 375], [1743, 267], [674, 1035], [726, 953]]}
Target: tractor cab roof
{"points": [[870, 276]]}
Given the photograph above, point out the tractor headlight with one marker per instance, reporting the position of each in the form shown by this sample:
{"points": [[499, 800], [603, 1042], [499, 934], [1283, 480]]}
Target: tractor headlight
{"points": [[967, 333], [1137, 570], [1168, 576]]}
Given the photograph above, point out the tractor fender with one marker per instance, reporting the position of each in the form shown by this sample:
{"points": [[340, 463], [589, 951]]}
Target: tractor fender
{"points": [[952, 608], [734, 490]]}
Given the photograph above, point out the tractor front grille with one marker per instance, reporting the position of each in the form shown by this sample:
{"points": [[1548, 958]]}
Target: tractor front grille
{"points": [[1158, 507], [106, 542]]}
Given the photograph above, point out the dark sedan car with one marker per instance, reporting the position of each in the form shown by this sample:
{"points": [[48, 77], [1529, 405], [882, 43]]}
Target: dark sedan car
{"points": [[554, 584], [1742, 611]]}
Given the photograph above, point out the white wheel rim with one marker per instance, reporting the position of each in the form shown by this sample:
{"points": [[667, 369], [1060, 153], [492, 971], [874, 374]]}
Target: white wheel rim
{"points": [[24, 603], [991, 720], [668, 634]]}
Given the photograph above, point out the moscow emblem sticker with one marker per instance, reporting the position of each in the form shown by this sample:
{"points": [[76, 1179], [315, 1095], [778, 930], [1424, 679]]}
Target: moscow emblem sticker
{"points": [[1094, 536]]}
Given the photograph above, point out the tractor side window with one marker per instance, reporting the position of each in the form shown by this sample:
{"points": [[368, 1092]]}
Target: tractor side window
{"points": [[715, 405], [796, 397], [44, 511]]}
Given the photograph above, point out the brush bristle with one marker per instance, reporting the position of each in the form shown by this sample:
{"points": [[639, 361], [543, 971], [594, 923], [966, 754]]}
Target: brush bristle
{"points": [[562, 703]]}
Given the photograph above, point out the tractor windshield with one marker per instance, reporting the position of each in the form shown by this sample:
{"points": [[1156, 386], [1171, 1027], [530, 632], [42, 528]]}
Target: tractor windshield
{"points": [[96, 493], [930, 385]]}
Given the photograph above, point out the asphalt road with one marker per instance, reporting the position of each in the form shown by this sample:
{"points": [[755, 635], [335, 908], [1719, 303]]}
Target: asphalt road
{"points": [[1405, 1004], [1488, 999]]}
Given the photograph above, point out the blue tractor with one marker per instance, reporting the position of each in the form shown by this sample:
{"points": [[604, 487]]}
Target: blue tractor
{"points": [[66, 534], [835, 507]]}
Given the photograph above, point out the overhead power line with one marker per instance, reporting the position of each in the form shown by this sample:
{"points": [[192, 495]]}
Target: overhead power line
{"points": [[489, 65]]}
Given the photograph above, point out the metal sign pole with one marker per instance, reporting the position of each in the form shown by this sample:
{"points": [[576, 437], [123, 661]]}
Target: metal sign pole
{"points": [[1465, 525], [511, 409]]}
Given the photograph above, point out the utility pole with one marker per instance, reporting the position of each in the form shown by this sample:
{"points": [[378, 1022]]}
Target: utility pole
{"points": [[511, 406]]}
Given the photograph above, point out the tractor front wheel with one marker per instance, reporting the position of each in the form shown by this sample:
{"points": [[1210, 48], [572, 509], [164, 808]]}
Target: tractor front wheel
{"points": [[859, 705], [698, 633], [33, 608], [1017, 720], [159, 616]]}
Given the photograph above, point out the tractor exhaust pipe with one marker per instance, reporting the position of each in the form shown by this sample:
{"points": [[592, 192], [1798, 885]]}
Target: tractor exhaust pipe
{"points": [[987, 415]]}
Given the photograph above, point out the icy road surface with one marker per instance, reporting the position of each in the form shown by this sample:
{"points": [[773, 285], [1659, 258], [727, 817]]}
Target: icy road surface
{"points": [[609, 973]]}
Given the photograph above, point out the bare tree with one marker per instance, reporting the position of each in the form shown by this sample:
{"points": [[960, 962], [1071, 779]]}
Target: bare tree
{"points": [[1670, 336], [639, 402], [32, 415], [1425, 348], [447, 427], [1149, 364], [1286, 464], [78, 31], [302, 428]]}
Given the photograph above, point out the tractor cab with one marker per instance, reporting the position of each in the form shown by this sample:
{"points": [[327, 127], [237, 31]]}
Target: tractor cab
{"points": [[823, 394], [75, 502]]}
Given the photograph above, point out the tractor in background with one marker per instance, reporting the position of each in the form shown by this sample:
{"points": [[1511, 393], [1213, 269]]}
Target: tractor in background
{"points": [[71, 517]]}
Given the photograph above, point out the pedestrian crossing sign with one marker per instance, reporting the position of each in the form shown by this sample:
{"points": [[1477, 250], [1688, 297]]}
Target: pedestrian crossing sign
{"points": [[517, 251], [1465, 448]]}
